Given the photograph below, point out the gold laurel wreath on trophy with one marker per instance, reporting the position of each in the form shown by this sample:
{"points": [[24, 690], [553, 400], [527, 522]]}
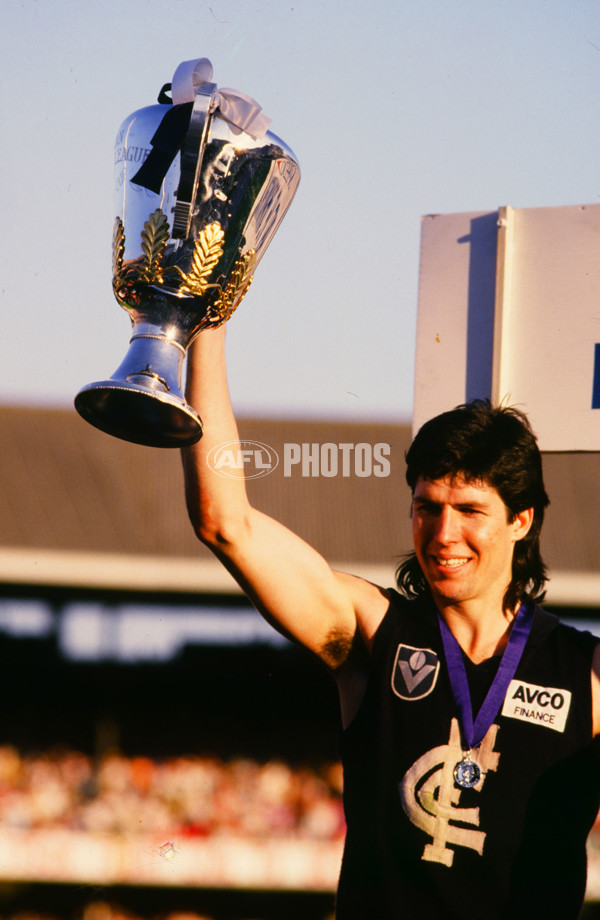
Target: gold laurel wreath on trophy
{"points": [[149, 268]]}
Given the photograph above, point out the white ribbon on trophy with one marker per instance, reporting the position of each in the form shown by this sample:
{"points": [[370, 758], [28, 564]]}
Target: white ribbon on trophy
{"points": [[241, 111]]}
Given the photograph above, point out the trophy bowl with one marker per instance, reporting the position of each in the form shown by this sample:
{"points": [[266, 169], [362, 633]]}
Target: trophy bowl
{"points": [[201, 187]]}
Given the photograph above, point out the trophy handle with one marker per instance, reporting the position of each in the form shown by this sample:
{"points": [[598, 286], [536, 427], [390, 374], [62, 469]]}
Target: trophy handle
{"points": [[192, 154]]}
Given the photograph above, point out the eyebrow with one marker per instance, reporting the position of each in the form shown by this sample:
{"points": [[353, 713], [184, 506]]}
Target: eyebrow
{"points": [[428, 500]]}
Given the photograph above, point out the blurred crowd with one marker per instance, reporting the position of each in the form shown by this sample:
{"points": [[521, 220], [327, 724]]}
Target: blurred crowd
{"points": [[99, 910], [186, 795], [193, 795]]}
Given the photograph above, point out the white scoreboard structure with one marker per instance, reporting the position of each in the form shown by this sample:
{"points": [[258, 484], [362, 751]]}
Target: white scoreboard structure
{"points": [[509, 309]]}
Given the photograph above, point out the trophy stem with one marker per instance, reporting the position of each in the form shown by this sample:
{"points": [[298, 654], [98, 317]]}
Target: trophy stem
{"points": [[142, 401]]}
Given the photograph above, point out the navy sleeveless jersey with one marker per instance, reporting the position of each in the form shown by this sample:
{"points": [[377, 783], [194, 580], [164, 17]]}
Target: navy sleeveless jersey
{"points": [[420, 848]]}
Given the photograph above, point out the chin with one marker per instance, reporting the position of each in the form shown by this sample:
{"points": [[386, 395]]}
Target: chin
{"points": [[448, 592]]}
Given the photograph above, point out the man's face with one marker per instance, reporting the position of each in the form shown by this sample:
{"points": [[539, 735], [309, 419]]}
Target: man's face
{"points": [[464, 540]]}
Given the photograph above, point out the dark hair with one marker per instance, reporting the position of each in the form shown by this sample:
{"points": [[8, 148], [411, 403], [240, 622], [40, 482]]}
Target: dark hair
{"points": [[495, 445]]}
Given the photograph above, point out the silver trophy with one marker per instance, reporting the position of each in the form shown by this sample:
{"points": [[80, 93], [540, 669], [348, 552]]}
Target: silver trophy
{"points": [[201, 187]]}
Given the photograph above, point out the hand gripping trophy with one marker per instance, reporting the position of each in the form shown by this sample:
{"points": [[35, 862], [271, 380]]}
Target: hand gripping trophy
{"points": [[201, 187]]}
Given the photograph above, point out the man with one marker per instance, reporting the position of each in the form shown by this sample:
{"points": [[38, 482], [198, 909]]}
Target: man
{"points": [[471, 747]]}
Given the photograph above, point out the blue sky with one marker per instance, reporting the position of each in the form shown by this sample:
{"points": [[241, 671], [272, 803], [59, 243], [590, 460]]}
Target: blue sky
{"points": [[394, 109]]}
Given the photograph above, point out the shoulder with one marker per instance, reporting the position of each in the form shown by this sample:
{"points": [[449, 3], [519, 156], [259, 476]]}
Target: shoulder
{"points": [[567, 637], [580, 647], [385, 620], [375, 606], [371, 603]]}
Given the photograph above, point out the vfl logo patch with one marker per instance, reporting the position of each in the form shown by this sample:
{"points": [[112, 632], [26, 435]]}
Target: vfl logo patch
{"points": [[415, 672], [546, 706]]}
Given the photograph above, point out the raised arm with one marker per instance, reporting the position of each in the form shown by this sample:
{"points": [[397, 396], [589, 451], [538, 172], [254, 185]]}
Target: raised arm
{"points": [[287, 580]]}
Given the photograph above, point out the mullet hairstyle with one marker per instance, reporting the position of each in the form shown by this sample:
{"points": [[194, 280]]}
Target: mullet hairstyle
{"points": [[496, 446]]}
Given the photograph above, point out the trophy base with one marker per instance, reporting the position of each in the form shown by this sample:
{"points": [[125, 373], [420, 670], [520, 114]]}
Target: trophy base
{"points": [[139, 414]]}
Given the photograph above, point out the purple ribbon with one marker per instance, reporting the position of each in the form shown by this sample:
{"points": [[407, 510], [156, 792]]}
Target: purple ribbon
{"points": [[473, 733]]}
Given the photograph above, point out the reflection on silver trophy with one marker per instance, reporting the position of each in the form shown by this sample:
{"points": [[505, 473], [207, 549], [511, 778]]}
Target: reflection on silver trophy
{"points": [[201, 187]]}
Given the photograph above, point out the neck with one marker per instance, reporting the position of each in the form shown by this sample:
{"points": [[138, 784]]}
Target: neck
{"points": [[480, 633]]}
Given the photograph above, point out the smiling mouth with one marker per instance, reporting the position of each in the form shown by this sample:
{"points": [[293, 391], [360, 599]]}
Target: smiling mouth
{"points": [[455, 563]]}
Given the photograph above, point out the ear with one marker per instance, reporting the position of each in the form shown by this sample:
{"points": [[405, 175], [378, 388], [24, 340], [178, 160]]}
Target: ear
{"points": [[521, 524]]}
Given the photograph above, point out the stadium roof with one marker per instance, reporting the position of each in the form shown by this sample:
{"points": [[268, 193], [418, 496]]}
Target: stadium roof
{"points": [[83, 509]]}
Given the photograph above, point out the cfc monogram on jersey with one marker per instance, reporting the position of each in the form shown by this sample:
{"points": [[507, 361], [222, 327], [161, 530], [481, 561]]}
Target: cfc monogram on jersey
{"points": [[433, 802]]}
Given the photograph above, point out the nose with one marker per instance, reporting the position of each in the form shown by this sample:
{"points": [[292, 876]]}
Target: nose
{"points": [[447, 526]]}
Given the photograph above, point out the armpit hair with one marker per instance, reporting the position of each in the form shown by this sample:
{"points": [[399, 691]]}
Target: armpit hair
{"points": [[337, 647]]}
